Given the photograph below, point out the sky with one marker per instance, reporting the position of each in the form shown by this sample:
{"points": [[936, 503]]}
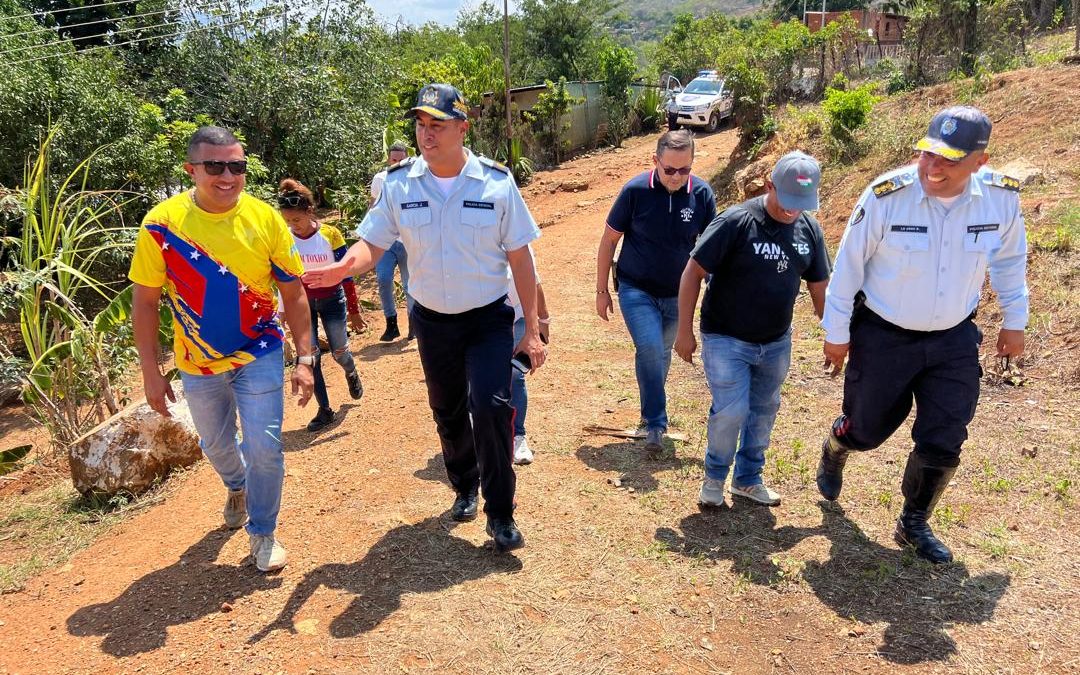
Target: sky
{"points": [[421, 11]]}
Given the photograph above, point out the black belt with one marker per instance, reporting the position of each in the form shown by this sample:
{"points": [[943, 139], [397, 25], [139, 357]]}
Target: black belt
{"points": [[864, 313], [432, 315]]}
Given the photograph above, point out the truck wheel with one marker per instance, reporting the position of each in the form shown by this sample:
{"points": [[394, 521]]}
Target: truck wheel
{"points": [[714, 122]]}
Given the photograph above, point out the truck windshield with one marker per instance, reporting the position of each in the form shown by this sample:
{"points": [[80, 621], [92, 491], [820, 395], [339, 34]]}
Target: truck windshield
{"points": [[703, 87]]}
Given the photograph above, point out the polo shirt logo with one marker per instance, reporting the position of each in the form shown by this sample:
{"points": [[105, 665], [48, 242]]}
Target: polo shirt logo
{"points": [[414, 205], [490, 206], [687, 213]]}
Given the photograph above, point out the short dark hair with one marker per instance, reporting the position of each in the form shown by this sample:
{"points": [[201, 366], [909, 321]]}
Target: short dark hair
{"points": [[218, 136], [397, 147], [681, 139]]}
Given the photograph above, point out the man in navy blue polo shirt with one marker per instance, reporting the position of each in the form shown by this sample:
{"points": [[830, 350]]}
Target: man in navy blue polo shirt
{"points": [[758, 254], [660, 213]]}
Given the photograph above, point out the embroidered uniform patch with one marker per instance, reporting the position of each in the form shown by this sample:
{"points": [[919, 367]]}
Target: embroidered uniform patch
{"points": [[914, 229], [857, 217], [490, 206]]}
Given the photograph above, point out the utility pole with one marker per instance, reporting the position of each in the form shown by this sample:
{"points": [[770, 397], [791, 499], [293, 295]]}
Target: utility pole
{"points": [[506, 76]]}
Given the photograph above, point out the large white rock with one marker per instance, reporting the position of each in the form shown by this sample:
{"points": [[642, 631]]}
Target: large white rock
{"points": [[133, 449]]}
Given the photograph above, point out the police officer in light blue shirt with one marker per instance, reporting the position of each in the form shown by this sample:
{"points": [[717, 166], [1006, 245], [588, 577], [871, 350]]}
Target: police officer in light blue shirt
{"points": [[463, 223], [902, 300]]}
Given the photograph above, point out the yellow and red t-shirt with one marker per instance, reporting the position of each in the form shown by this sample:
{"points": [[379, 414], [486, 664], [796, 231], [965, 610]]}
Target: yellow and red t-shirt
{"points": [[217, 270]]}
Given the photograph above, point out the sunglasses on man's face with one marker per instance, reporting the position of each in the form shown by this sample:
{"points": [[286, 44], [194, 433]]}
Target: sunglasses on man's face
{"points": [[214, 167], [671, 171]]}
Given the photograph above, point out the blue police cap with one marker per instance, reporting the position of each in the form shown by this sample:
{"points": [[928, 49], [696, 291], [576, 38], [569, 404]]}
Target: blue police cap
{"points": [[441, 101], [956, 132]]}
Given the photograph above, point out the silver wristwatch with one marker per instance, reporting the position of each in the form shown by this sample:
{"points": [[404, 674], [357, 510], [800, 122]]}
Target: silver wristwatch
{"points": [[308, 360]]}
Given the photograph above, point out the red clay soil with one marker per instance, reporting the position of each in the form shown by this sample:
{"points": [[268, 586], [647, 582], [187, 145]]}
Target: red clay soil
{"points": [[621, 572]]}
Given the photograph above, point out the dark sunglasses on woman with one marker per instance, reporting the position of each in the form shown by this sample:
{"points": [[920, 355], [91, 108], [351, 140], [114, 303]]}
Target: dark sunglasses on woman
{"points": [[292, 201], [214, 167]]}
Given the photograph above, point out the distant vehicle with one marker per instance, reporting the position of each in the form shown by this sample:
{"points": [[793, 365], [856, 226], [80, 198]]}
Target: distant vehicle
{"points": [[670, 87], [705, 102]]}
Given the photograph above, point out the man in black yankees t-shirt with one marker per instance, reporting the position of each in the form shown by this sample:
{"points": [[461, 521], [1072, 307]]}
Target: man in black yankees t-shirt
{"points": [[757, 253]]}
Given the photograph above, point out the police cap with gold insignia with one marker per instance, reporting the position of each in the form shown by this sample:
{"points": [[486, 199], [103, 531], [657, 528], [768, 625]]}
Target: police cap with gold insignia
{"points": [[956, 132], [441, 101]]}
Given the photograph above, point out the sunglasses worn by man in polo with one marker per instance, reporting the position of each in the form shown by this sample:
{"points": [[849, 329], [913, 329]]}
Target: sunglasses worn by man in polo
{"points": [[215, 167], [671, 171]]}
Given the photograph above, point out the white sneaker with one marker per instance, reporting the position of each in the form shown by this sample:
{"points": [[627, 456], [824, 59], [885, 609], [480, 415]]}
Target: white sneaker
{"points": [[757, 493], [712, 493], [522, 453], [235, 509], [268, 553]]}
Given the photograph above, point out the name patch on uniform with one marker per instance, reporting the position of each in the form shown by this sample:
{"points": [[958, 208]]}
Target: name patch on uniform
{"points": [[991, 227], [490, 206], [414, 205], [919, 229]]}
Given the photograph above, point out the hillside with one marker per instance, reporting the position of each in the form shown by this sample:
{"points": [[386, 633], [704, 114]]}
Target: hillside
{"points": [[649, 21]]}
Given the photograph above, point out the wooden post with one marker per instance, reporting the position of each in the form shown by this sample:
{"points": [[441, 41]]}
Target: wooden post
{"points": [[506, 78]]}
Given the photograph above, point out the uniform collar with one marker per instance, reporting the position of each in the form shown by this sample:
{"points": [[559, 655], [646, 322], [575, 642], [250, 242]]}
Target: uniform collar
{"points": [[973, 191], [654, 182], [472, 168]]}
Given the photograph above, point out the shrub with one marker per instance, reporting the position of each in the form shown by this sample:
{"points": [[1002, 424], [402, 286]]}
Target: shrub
{"points": [[847, 110], [647, 109]]}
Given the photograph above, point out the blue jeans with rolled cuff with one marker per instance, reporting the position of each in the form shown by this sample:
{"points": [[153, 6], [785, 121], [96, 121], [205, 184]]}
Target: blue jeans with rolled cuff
{"points": [[745, 380], [253, 459]]}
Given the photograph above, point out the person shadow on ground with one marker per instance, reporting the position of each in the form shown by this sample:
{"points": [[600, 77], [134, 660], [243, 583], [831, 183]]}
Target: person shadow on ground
{"points": [[419, 558], [629, 459], [861, 581], [195, 586], [296, 440], [435, 471]]}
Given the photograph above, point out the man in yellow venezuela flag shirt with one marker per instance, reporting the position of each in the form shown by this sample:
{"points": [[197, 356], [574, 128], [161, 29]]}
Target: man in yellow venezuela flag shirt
{"points": [[218, 253]]}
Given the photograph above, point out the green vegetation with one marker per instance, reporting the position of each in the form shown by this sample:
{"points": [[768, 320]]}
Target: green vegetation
{"points": [[49, 526], [1061, 233]]}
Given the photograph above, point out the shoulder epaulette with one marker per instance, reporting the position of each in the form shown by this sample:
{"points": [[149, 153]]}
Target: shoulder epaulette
{"points": [[408, 161], [487, 161], [891, 185], [1002, 181]]}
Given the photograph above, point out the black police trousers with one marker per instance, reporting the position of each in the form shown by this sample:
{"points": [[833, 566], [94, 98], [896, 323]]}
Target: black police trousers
{"points": [[889, 367], [466, 361]]}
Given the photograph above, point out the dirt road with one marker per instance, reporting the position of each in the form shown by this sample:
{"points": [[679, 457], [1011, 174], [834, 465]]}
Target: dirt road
{"points": [[628, 578]]}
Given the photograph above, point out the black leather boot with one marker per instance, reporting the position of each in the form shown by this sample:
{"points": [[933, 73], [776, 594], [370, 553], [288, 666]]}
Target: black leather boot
{"points": [[504, 531], [392, 333], [922, 487], [464, 508], [830, 470]]}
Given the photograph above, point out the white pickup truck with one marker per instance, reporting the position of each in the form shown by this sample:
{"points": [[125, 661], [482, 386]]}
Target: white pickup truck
{"points": [[705, 102]]}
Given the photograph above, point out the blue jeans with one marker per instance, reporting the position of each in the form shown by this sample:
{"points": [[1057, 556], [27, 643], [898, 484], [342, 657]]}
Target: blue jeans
{"points": [[255, 460], [384, 274], [652, 323], [519, 395], [332, 312], [745, 379]]}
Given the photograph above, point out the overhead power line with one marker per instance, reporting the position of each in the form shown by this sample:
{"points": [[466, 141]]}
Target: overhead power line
{"points": [[51, 29], [134, 29], [136, 41], [63, 11]]}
